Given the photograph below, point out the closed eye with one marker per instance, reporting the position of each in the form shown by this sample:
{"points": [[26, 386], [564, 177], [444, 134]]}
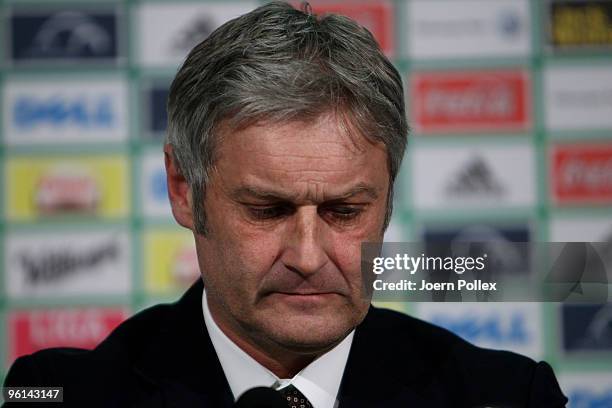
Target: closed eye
{"points": [[270, 212], [342, 213], [334, 213]]}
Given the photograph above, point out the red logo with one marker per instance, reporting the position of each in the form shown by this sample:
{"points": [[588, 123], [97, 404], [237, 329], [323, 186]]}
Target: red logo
{"points": [[33, 330], [376, 16], [582, 174], [470, 101], [185, 268], [66, 190]]}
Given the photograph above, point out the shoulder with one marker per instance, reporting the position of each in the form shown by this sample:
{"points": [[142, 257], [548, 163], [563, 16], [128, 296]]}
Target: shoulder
{"points": [[401, 329], [131, 363], [473, 373], [109, 361]]}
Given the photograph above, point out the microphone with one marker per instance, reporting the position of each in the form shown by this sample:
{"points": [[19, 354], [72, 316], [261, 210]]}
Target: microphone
{"points": [[261, 397]]}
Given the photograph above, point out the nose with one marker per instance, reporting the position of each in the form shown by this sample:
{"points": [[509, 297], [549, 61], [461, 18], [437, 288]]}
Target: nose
{"points": [[304, 251]]}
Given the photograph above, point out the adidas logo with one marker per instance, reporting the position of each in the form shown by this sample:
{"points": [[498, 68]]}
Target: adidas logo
{"points": [[195, 32], [475, 178]]}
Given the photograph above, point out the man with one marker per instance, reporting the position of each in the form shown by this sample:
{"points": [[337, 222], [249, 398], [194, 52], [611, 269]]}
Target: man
{"points": [[286, 132]]}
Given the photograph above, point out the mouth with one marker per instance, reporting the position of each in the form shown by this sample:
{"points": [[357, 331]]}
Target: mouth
{"points": [[305, 297], [304, 293]]}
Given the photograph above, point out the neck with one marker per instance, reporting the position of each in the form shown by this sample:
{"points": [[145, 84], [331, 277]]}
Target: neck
{"points": [[281, 361]]}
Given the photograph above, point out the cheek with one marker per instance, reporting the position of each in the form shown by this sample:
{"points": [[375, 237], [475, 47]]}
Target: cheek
{"points": [[346, 254], [258, 252], [243, 255], [346, 246]]}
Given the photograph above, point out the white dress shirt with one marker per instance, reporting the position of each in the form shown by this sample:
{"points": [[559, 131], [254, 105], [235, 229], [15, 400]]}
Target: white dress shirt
{"points": [[319, 381]]}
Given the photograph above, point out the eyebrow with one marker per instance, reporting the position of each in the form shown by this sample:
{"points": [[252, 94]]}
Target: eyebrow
{"points": [[264, 194]]}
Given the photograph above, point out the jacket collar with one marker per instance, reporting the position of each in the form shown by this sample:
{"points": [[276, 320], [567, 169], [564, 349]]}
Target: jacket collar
{"points": [[383, 368]]}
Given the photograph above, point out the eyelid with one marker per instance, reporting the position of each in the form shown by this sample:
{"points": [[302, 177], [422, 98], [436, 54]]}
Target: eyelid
{"points": [[339, 211], [356, 206], [268, 211], [340, 214]]}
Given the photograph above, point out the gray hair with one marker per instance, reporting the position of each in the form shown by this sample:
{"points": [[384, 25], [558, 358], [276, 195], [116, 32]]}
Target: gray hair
{"points": [[277, 63]]}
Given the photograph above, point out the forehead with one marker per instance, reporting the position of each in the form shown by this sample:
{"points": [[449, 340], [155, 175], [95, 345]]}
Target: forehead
{"points": [[320, 153], [331, 133]]}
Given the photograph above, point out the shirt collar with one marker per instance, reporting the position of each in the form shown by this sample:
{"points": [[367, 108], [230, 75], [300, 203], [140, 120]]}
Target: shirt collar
{"points": [[319, 381]]}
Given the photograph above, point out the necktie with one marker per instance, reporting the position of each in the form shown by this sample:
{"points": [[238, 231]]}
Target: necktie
{"points": [[294, 398]]}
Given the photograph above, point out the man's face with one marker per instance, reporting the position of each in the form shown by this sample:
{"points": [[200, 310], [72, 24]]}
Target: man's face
{"points": [[288, 206]]}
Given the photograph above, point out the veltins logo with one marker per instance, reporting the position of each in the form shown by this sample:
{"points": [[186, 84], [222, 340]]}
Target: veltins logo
{"points": [[510, 326], [64, 36], [581, 174], [33, 330], [65, 111], [470, 101], [53, 186], [376, 16], [67, 263]]}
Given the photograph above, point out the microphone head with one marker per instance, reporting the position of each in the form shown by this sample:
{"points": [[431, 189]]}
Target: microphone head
{"points": [[261, 397]]}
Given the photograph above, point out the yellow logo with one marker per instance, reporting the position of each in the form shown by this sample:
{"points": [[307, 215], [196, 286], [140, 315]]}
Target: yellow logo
{"points": [[170, 261], [67, 186]]}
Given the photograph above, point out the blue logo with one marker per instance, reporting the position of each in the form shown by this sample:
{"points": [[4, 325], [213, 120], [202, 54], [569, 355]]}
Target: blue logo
{"points": [[478, 233], [587, 327], [83, 112], [158, 186], [490, 328], [586, 399], [505, 246], [63, 35], [158, 119]]}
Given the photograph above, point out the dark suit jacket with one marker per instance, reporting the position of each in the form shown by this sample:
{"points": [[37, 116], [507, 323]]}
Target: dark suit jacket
{"points": [[163, 357]]}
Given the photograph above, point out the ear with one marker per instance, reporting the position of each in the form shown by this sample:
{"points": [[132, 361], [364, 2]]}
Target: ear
{"points": [[178, 190]]}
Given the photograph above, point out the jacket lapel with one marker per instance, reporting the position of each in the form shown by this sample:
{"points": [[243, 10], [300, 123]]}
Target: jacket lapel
{"points": [[386, 370], [181, 362]]}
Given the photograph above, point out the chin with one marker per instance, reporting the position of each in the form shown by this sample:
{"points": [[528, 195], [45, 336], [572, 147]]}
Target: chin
{"points": [[308, 325], [309, 334], [310, 342]]}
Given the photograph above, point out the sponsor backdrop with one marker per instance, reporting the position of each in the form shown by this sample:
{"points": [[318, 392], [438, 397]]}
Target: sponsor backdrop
{"points": [[510, 104]]}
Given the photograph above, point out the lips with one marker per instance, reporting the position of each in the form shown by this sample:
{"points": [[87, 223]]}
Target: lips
{"points": [[305, 293], [304, 298]]}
